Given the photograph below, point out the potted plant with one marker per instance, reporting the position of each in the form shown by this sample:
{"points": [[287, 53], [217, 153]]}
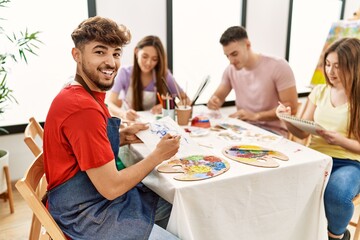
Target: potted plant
{"points": [[22, 43]]}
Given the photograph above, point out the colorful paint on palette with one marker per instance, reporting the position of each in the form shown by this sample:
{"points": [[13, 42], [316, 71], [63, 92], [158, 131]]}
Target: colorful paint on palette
{"points": [[254, 155], [195, 167]]}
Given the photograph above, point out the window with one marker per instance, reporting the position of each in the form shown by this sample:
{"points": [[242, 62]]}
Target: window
{"points": [[36, 84]]}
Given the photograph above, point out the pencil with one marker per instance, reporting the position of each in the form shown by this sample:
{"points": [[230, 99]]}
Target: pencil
{"points": [[281, 104], [160, 99]]}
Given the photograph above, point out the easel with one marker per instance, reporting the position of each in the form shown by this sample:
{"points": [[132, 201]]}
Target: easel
{"points": [[339, 29]]}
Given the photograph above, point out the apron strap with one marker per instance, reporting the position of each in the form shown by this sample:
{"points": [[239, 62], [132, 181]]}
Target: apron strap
{"points": [[119, 164], [80, 80]]}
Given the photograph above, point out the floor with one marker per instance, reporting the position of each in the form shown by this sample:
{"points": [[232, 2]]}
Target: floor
{"points": [[16, 226]]}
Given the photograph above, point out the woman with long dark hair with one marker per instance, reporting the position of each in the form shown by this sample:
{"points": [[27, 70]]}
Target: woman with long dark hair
{"points": [[336, 107], [137, 86]]}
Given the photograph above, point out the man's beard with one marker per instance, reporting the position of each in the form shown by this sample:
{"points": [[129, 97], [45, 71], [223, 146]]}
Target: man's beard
{"points": [[95, 79]]}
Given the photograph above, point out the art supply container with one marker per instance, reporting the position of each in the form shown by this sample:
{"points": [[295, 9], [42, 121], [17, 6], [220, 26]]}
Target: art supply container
{"points": [[183, 115], [169, 112]]}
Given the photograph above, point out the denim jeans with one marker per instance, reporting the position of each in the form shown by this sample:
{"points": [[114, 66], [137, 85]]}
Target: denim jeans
{"points": [[162, 216], [343, 186]]}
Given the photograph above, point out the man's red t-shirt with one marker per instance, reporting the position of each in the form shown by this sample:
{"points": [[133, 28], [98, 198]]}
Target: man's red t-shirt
{"points": [[75, 136]]}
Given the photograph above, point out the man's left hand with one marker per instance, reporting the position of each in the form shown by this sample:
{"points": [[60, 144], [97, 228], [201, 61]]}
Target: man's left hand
{"points": [[244, 115], [127, 134]]}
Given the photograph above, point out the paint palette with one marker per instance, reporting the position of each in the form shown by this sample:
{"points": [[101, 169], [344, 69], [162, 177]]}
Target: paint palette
{"points": [[254, 155], [195, 167]]}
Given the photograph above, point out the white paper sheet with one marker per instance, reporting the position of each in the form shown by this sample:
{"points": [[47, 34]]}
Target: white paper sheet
{"points": [[159, 128], [305, 125]]}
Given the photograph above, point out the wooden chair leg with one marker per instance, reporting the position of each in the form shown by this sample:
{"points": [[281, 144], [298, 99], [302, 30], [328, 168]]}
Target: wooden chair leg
{"points": [[10, 193], [356, 224], [35, 228], [35, 231], [357, 230]]}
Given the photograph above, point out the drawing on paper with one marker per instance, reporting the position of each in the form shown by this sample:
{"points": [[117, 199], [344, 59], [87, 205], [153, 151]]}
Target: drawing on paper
{"points": [[195, 167], [254, 155], [159, 128]]}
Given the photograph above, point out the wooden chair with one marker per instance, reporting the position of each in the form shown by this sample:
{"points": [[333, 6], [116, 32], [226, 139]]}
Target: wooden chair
{"points": [[33, 132], [27, 187], [356, 224]]}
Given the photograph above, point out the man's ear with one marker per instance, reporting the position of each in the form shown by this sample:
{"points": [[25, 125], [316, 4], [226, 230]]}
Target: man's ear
{"points": [[248, 43], [75, 52]]}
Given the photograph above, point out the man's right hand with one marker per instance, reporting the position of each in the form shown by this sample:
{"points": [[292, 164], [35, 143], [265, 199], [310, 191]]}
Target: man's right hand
{"points": [[167, 147]]}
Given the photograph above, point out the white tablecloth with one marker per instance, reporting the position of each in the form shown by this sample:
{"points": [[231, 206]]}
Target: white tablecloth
{"points": [[248, 202]]}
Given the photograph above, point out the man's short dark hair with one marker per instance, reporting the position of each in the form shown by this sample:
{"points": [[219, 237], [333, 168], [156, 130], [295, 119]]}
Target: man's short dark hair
{"points": [[232, 34], [100, 29]]}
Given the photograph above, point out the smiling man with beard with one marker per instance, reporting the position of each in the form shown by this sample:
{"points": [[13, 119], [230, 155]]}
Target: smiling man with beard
{"points": [[88, 196]]}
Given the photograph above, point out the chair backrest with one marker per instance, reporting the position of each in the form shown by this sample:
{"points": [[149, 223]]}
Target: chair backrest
{"points": [[32, 131], [27, 187]]}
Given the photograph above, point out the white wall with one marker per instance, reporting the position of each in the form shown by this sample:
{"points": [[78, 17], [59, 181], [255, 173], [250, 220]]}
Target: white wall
{"points": [[196, 48], [267, 23], [20, 156]]}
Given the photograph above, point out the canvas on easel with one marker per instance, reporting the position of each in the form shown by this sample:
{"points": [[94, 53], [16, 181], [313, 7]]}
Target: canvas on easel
{"points": [[338, 30]]}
